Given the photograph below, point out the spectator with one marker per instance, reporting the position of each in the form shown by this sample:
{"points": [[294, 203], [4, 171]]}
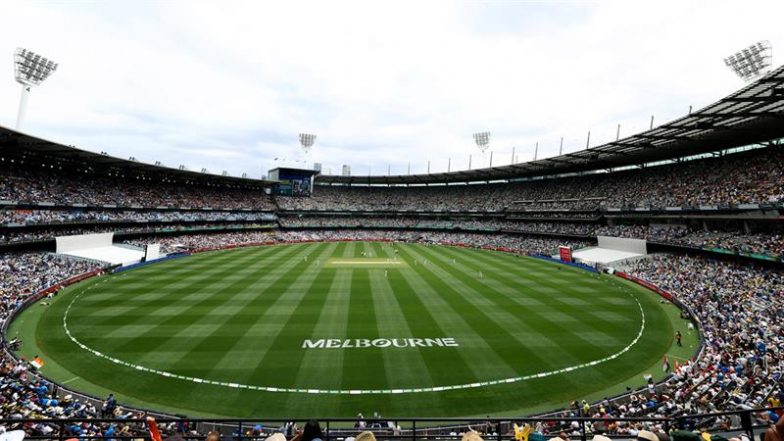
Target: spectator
{"points": [[365, 436], [109, 406], [311, 432]]}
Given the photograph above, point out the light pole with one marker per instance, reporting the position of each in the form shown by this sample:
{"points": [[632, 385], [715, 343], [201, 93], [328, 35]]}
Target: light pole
{"points": [[31, 70]]}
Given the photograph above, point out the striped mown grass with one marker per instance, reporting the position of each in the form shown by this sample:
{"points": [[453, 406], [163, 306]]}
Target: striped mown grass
{"points": [[449, 332]]}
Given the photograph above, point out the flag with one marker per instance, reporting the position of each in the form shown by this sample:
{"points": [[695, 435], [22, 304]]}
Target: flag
{"points": [[522, 432], [152, 425], [665, 364], [37, 362]]}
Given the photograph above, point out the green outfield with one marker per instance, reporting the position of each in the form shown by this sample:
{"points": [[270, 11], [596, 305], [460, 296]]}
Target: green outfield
{"points": [[333, 329]]}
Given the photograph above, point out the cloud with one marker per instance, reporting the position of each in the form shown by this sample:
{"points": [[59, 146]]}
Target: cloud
{"points": [[228, 85]]}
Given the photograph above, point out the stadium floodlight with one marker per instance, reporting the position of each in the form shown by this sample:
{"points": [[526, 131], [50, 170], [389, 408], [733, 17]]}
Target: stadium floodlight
{"points": [[751, 62], [482, 140], [31, 70], [306, 140]]}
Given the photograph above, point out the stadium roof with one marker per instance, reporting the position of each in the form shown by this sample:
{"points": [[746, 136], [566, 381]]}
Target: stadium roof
{"points": [[754, 114], [13, 143]]}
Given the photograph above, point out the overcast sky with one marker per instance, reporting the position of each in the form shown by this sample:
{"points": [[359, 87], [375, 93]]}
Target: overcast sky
{"points": [[229, 85]]}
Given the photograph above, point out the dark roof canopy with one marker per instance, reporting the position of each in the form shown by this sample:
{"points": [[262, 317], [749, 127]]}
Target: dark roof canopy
{"points": [[17, 144], [751, 115]]}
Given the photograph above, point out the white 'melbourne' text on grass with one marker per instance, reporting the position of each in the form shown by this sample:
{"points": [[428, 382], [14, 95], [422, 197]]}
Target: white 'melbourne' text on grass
{"points": [[334, 343]]}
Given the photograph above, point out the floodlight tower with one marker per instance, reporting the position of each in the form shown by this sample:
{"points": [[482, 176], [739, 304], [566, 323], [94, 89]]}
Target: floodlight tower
{"points": [[306, 140], [482, 140], [751, 62], [31, 70]]}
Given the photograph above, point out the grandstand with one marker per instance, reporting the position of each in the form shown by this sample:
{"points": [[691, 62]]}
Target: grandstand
{"points": [[432, 298]]}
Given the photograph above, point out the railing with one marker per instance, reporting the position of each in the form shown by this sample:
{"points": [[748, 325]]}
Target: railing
{"points": [[749, 422]]}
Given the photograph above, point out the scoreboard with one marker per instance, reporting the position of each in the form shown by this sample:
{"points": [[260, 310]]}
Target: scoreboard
{"points": [[292, 181]]}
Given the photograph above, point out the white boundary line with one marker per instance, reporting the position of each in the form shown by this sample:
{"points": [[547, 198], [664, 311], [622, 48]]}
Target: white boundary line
{"points": [[349, 391]]}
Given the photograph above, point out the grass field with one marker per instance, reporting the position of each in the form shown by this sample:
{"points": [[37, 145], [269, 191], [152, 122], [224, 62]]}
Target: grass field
{"points": [[420, 331]]}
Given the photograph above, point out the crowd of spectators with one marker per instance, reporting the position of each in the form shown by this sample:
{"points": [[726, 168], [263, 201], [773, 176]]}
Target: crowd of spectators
{"points": [[750, 177], [25, 185], [565, 206], [22, 394], [76, 216], [653, 232], [23, 274], [10, 236], [189, 242], [200, 241], [425, 223], [769, 243], [741, 178], [178, 220], [433, 198], [592, 215], [739, 308], [25, 395]]}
